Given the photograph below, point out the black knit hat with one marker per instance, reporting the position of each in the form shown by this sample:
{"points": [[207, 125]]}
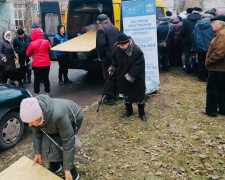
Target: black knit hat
{"points": [[102, 17], [20, 32], [220, 18], [189, 10], [59, 27], [122, 39], [197, 9], [168, 13]]}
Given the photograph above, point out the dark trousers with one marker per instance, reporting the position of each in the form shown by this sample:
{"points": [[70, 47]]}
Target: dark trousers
{"points": [[3, 76], [41, 73], [215, 92], [164, 61], [202, 73], [63, 61], [188, 69], [176, 56], [23, 61], [111, 89]]}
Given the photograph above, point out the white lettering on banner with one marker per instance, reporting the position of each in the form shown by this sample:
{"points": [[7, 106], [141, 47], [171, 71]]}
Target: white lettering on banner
{"points": [[139, 22]]}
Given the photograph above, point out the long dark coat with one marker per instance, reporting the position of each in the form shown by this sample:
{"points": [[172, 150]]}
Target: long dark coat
{"points": [[7, 51], [133, 65]]}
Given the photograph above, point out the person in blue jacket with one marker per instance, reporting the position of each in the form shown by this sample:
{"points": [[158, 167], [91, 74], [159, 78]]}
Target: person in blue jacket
{"points": [[202, 36], [63, 58]]}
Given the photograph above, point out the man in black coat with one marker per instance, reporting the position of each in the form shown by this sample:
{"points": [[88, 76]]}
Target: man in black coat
{"points": [[186, 33], [107, 35], [20, 44], [129, 65]]}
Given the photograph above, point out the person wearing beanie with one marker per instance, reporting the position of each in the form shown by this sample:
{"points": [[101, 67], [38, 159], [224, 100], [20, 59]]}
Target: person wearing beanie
{"points": [[189, 10], [202, 36], [107, 35], [130, 76], [7, 56], [63, 58], [215, 64], [59, 119], [186, 33], [20, 44], [39, 51]]}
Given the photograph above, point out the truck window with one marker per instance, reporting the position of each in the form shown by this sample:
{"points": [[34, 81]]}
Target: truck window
{"points": [[51, 23], [74, 23], [159, 12]]}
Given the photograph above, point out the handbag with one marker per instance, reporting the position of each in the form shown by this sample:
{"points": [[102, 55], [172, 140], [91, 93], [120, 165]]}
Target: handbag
{"points": [[30, 63], [162, 44]]}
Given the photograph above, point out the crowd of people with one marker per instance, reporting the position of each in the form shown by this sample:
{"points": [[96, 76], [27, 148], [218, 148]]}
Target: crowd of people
{"points": [[200, 35]]}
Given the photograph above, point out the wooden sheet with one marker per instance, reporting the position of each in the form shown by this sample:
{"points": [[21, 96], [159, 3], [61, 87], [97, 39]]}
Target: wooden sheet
{"points": [[23, 170], [82, 43]]}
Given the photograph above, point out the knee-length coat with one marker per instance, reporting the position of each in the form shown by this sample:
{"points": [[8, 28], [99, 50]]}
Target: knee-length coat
{"points": [[132, 62]]}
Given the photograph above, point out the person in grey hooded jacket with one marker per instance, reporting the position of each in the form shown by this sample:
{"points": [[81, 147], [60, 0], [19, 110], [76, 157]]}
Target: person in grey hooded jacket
{"points": [[60, 119]]}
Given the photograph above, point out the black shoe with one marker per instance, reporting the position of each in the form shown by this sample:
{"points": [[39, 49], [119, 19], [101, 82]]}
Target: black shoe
{"points": [[55, 167], [75, 174], [61, 82], [143, 118], [67, 81], [203, 111], [221, 113]]}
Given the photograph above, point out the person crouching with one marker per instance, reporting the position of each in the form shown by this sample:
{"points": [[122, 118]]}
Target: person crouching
{"points": [[129, 65], [59, 119]]}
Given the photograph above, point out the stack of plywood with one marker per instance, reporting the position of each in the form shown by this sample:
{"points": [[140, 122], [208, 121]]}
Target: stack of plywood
{"points": [[82, 43], [23, 170]]}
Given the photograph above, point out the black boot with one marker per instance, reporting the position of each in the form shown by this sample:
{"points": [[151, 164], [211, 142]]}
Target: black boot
{"points": [[29, 80], [129, 110], [29, 76], [67, 80], [60, 79], [55, 167], [141, 111], [24, 81]]}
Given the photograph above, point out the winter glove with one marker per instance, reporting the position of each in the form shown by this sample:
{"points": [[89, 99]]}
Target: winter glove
{"points": [[129, 78]]}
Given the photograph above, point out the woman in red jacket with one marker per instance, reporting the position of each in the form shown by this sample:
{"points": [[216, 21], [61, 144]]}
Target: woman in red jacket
{"points": [[39, 49]]}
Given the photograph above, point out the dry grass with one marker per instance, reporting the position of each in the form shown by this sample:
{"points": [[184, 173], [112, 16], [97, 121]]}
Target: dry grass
{"points": [[177, 142]]}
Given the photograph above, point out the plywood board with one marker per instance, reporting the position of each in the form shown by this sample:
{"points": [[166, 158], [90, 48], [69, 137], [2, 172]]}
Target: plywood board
{"points": [[23, 170], [82, 43]]}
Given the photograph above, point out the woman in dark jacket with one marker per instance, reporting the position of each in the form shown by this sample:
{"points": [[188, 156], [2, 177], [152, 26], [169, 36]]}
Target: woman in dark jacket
{"points": [[129, 64], [7, 57], [176, 48], [59, 119]]}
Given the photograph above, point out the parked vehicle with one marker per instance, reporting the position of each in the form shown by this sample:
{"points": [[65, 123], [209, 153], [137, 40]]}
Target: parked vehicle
{"points": [[11, 126], [81, 15]]}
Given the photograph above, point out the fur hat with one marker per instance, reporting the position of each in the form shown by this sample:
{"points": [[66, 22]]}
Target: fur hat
{"points": [[122, 39], [30, 110]]}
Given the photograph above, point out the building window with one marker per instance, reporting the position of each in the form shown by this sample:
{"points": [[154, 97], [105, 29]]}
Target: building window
{"points": [[19, 10]]}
